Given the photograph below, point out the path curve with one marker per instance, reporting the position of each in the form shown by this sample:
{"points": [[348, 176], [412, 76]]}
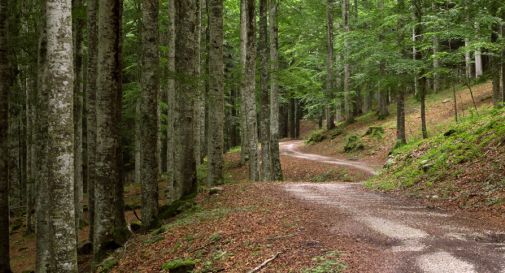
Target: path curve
{"points": [[291, 148], [411, 237]]}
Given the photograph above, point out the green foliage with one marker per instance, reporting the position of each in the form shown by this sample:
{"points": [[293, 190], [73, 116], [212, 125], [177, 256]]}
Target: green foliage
{"points": [[107, 265], [179, 266], [375, 132], [353, 144], [328, 263], [429, 160], [315, 137]]}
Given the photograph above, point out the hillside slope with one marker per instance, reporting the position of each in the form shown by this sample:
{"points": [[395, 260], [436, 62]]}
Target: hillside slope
{"points": [[463, 166]]}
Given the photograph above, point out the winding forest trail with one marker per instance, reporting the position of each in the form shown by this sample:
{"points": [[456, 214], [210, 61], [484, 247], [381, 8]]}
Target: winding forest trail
{"points": [[411, 237]]}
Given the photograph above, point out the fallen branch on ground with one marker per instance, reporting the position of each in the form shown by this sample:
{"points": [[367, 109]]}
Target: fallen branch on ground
{"points": [[265, 263]]}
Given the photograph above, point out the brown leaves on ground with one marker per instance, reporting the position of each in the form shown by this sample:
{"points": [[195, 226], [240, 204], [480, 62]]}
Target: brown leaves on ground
{"points": [[238, 230]]}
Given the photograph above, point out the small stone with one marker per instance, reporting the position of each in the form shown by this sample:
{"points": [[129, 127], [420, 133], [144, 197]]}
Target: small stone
{"points": [[215, 190], [446, 101]]}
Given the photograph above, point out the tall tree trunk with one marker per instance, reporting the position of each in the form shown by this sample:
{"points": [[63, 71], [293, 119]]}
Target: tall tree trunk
{"points": [[348, 97], [330, 82], [468, 60], [249, 85], [186, 91], [60, 81], [383, 111], [274, 91], [265, 171], [216, 93], [77, 28], [243, 57], [400, 118], [107, 233], [92, 6], [478, 58], [149, 110], [503, 66], [199, 109], [171, 99], [41, 153], [436, 61], [420, 79], [495, 69], [4, 149]]}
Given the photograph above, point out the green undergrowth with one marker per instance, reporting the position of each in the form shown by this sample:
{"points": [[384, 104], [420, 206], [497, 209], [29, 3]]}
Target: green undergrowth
{"points": [[328, 263], [440, 156]]}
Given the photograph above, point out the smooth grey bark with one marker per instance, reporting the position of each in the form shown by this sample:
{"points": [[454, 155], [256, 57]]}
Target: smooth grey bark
{"points": [[274, 91], [60, 163], [109, 233], [215, 142], [149, 112], [171, 100], [4, 149], [92, 8], [77, 29], [348, 97], [330, 81], [243, 54], [265, 166], [186, 91], [249, 93]]}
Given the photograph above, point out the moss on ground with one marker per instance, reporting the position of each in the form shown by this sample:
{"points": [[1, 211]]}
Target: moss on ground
{"points": [[439, 157]]}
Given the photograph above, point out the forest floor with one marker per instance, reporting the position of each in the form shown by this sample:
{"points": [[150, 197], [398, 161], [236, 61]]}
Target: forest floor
{"points": [[310, 223]]}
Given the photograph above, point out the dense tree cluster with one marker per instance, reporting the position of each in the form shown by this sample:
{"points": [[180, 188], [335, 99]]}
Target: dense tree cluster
{"points": [[99, 93]]}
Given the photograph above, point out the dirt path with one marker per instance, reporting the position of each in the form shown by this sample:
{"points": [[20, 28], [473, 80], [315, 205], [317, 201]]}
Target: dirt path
{"points": [[411, 237]]}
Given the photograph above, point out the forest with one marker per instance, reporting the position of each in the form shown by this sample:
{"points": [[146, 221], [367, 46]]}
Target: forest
{"points": [[127, 127]]}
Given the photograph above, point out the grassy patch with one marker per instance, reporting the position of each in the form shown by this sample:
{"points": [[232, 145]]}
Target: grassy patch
{"points": [[328, 263], [438, 157]]}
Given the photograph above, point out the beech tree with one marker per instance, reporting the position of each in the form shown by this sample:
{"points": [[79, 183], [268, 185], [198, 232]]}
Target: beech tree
{"points": [[186, 91], [216, 93], [60, 165], [4, 123], [110, 230], [149, 110]]}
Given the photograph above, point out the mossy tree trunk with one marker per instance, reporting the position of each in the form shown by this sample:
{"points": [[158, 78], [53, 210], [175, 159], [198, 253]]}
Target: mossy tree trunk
{"points": [[186, 92], [92, 28], [4, 125], [216, 93], [149, 111], [265, 168], [108, 232], [274, 91], [77, 28], [171, 118]]}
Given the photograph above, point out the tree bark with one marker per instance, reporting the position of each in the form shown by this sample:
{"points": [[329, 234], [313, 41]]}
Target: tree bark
{"points": [[199, 110], [171, 99], [243, 57], [265, 170], [348, 97], [420, 79], [216, 94], [149, 112], [92, 6], [186, 91], [107, 233], [249, 93], [4, 149], [41, 153], [330, 82], [60, 83], [77, 28], [274, 91], [436, 61]]}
